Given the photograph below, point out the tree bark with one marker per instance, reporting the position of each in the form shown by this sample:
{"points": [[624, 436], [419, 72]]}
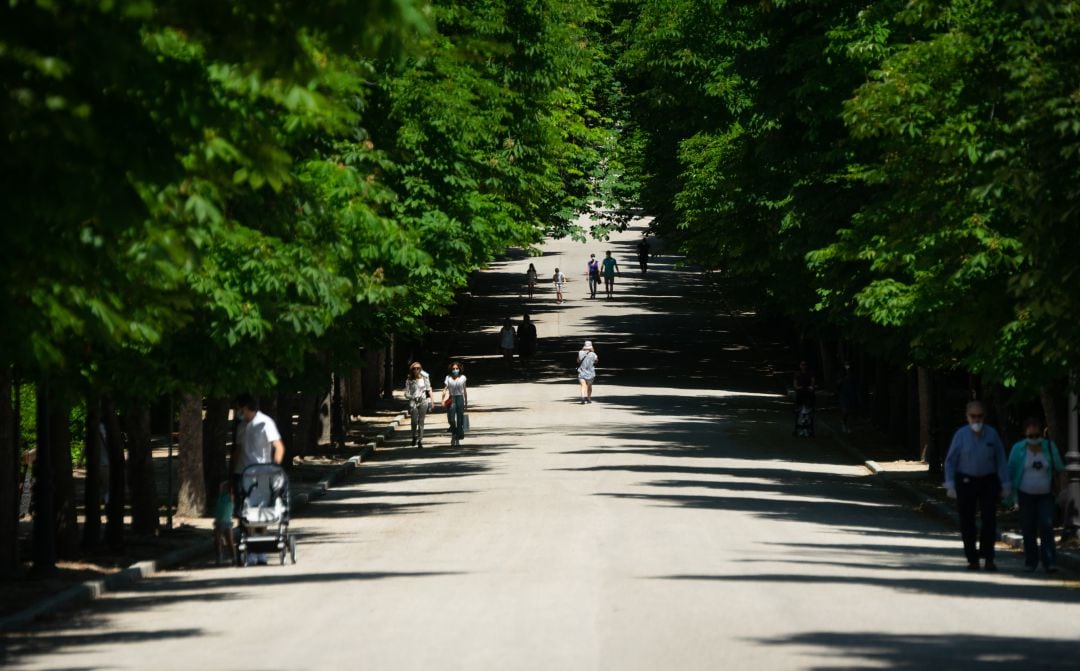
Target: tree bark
{"points": [[9, 479], [114, 506], [92, 489], [286, 404], [43, 542], [926, 414], [1048, 395], [215, 440], [65, 509], [144, 500], [191, 494]]}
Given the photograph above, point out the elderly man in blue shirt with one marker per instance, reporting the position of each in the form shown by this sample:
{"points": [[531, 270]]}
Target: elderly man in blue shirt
{"points": [[977, 476]]}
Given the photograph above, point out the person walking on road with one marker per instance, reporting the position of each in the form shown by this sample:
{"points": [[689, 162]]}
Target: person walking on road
{"points": [[507, 342], [586, 372], [610, 268], [526, 340], [455, 397], [1034, 464], [643, 254], [418, 393], [977, 476], [259, 442], [558, 279], [530, 279], [593, 272]]}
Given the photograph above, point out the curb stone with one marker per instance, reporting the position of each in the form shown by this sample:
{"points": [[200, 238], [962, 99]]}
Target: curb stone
{"points": [[937, 508], [93, 589]]}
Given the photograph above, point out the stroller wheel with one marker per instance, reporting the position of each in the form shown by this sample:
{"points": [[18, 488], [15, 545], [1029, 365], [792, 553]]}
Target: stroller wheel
{"points": [[292, 549], [282, 553]]}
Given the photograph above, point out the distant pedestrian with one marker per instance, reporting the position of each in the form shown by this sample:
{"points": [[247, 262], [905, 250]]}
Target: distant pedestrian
{"points": [[455, 397], [586, 371], [530, 279], [1034, 465], [643, 249], [223, 529], [418, 393], [850, 394], [977, 476], [593, 271], [257, 441], [610, 269], [507, 341], [805, 400], [526, 340], [558, 279]]}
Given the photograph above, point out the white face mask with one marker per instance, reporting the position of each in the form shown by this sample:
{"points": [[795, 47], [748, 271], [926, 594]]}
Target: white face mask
{"points": [[976, 426], [1034, 441]]}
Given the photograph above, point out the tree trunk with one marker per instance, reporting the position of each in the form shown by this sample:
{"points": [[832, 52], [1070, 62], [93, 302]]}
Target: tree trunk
{"points": [[65, 509], [114, 504], [1048, 395], [827, 378], [92, 489], [215, 440], [9, 480], [926, 414], [144, 501], [43, 548], [286, 409], [191, 495]]}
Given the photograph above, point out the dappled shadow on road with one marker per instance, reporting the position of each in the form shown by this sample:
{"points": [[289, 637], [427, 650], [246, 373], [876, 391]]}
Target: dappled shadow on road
{"points": [[66, 634], [917, 652]]}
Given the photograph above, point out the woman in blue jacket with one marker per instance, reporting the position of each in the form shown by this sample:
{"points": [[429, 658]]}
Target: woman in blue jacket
{"points": [[1034, 464]]}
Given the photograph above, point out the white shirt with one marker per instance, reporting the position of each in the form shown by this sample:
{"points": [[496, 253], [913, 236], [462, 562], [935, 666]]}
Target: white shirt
{"points": [[455, 385], [1036, 480], [559, 278], [506, 337], [416, 390], [256, 442]]}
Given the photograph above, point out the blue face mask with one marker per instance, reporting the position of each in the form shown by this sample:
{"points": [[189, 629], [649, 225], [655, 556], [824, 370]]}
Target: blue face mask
{"points": [[455, 372]]}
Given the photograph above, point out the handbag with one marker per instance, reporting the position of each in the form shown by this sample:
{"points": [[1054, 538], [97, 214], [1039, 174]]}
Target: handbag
{"points": [[448, 401]]}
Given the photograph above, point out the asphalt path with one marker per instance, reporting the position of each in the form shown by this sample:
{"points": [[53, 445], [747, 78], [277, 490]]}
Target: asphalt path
{"points": [[675, 523]]}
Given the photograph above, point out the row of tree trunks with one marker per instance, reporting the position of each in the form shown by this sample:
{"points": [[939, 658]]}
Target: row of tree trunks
{"points": [[114, 446], [9, 478]]}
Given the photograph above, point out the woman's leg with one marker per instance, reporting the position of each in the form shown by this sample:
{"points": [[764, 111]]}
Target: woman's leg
{"points": [[584, 388], [588, 387], [418, 423], [1029, 524], [414, 416], [1048, 550], [459, 417]]}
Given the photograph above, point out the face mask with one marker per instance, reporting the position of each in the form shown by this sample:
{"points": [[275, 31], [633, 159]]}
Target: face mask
{"points": [[1034, 441], [976, 426], [455, 373]]}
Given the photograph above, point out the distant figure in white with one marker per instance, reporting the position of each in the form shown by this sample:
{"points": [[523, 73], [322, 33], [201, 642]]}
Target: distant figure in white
{"points": [[530, 279], [586, 371], [558, 279], [507, 343], [455, 397]]}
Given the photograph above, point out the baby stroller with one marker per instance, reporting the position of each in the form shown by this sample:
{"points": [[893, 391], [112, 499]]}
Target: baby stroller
{"points": [[804, 413], [264, 514]]}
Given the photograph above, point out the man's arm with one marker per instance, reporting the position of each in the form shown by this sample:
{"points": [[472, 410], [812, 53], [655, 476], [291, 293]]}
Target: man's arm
{"points": [[279, 451], [951, 457]]}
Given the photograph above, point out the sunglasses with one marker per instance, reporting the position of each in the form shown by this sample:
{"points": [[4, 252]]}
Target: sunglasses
{"points": [[975, 416]]}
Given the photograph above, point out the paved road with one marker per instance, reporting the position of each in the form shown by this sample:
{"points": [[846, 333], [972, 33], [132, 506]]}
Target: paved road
{"points": [[673, 524]]}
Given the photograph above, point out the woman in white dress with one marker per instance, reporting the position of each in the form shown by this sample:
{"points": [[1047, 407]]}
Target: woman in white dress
{"points": [[530, 279]]}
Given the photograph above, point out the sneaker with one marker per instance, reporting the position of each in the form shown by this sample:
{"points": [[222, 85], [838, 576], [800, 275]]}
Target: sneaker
{"points": [[419, 444], [990, 565], [1049, 569], [973, 566], [414, 442], [588, 400], [581, 402]]}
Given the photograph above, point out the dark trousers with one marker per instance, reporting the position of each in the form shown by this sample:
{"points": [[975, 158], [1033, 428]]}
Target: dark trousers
{"points": [[978, 495], [1037, 525]]}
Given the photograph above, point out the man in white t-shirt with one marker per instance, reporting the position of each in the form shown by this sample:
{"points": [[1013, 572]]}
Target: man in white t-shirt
{"points": [[257, 439]]}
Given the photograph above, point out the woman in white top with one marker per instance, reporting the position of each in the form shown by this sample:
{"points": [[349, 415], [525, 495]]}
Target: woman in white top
{"points": [[558, 279], [418, 393], [586, 372], [457, 394], [507, 338], [530, 279]]}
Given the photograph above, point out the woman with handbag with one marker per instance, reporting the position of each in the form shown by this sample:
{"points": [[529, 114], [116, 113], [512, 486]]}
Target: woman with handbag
{"points": [[418, 392], [455, 398], [1034, 464]]}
